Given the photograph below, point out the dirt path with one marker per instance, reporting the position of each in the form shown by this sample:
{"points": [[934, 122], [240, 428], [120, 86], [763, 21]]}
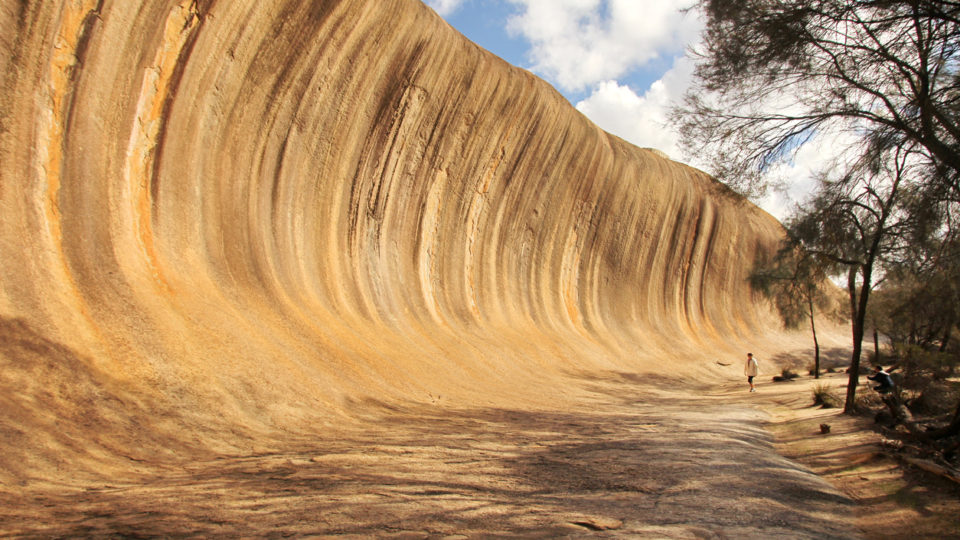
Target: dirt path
{"points": [[637, 461], [892, 501]]}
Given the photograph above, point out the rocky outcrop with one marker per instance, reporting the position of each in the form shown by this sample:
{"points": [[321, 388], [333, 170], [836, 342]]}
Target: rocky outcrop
{"points": [[224, 219]]}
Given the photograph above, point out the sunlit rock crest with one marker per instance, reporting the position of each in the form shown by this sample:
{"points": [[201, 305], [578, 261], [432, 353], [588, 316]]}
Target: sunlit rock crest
{"points": [[230, 218]]}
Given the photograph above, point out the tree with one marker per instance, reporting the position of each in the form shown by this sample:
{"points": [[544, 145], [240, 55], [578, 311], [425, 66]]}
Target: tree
{"points": [[876, 81], [856, 222], [921, 305], [918, 309], [795, 281], [774, 75]]}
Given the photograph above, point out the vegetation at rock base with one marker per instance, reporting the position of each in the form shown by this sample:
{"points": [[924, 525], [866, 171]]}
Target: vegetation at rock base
{"points": [[823, 397], [794, 282], [876, 85]]}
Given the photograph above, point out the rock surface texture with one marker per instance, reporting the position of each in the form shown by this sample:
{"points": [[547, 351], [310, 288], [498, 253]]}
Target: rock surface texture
{"points": [[227, 223]]}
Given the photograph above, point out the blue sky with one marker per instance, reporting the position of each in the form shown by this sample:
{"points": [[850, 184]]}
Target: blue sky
{"points": [[493, 25], [622, 63]]}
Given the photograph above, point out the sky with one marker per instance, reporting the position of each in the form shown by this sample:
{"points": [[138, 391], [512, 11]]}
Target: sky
{"points": [[622, 63]]}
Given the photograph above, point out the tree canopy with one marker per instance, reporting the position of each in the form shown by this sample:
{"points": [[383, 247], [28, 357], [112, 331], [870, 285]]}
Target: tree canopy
{"points": [[871, 74], [876, 85]]}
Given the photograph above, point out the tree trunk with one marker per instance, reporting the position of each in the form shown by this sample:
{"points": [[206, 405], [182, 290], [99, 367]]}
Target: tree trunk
{"points": [[876, 348], [859, 307], [849, 405], [900, 413], [816, 357], [946, 336], [816, 344]]}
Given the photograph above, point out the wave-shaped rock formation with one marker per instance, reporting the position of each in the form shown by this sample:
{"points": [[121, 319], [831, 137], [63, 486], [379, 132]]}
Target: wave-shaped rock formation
{"points": [[224, 221]]}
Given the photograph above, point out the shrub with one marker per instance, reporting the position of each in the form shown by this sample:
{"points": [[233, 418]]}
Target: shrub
{"points": [[938, 397], [823, 397], [785, 375], [919, 366], [867, 401]]}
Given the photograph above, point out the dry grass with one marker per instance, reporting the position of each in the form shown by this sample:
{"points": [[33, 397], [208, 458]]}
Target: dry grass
{"points": [[892, 500], [824, 396]]}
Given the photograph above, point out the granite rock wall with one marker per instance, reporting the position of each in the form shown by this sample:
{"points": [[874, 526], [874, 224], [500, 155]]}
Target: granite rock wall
{"points": [[221, 219]]}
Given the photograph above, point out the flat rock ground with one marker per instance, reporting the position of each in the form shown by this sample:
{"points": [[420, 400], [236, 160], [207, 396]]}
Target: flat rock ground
{"points": [[641, 459]]}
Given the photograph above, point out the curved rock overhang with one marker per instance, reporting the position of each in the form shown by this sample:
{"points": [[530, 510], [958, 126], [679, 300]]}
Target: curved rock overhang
{"points": [[257, 214]]}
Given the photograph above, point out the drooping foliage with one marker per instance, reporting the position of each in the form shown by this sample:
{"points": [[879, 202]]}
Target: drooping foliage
{"points": [[870, 74], [875, 86]]}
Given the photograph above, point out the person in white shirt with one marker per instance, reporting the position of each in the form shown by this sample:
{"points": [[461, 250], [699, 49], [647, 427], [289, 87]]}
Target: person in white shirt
{"points": [[750, 369]]}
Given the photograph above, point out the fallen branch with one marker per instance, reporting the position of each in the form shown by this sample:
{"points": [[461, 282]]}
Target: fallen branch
{"points": [[929, 466], [952, 429], [903, 416]]}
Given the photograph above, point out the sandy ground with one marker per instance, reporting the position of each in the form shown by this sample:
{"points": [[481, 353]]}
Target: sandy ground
{"points": [[639, 460], [891, 501]]}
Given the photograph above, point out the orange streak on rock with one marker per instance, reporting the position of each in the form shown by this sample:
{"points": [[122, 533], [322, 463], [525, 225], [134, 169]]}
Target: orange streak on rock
{"points": [[249, 218], [148, 119], [57, 94]]}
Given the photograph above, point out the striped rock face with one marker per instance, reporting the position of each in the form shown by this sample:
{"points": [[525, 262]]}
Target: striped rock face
{"points": [[223, 220]]}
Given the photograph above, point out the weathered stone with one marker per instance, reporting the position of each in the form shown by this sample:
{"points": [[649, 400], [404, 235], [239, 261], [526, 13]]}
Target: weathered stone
{"points": [[224, 221]]}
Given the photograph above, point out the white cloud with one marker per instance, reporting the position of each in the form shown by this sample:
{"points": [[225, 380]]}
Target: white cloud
{"points": [[444, 7], [798, 176], [781, 203], [594, 45], [641, 120], [579, 43]]}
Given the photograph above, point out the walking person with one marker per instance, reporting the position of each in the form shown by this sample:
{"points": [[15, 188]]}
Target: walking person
{"points": [[750, 369]]}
